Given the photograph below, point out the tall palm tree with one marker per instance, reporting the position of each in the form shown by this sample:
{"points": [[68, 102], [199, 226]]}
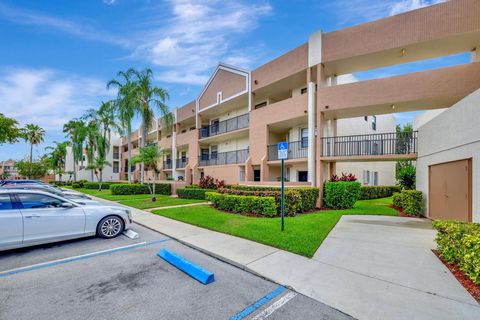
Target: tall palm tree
{"points": [[58, 157], [148, 99], [33, 134], [106, 117], [125, 110], [76, 130]]}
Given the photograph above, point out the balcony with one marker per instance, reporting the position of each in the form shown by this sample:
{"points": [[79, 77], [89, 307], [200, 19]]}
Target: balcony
{"points": [[167, 164], [296, 150], [228, 125], [374, 146], [181, 163], [223, 158]]}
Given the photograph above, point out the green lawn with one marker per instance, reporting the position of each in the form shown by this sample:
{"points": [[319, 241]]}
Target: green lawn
{"points": [[106, 194], [303, 234], [162, 201]]}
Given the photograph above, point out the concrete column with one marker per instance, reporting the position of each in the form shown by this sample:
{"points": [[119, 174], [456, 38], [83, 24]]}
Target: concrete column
{"points": [[174, 154], [311, 108]]}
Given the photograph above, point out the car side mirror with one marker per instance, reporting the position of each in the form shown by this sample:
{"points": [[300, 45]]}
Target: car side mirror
{"points": [[67, 205]]}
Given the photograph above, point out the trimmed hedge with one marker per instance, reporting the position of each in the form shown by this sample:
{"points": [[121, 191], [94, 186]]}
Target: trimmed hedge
{"points": [[243, 204], [297, 200], [459, 243], [375, 192], [341, 194], [96, 185], [193, 193], [61, 183], [411, 201], [135, 188]]}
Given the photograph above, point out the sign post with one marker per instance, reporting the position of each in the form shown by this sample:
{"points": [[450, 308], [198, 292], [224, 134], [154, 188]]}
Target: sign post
{"points": [[282, 149]]}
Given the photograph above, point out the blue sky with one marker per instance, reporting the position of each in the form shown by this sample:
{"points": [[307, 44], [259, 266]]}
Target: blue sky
{"points": [[56, 56]]}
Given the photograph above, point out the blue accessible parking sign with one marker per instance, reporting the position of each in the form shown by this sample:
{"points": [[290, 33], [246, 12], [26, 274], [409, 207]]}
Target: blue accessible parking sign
{"points": [[282, 150]]}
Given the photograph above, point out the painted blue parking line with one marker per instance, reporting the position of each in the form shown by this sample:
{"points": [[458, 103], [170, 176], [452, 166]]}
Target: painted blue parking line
{"points": [[258, 304], [77, 258]]}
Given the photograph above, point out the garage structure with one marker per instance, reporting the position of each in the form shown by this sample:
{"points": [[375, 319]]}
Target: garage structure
{"points": [[450, 190]]}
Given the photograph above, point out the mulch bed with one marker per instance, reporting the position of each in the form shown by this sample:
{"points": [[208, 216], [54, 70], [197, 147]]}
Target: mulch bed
{"points": [[402, 213], [469, 285]]}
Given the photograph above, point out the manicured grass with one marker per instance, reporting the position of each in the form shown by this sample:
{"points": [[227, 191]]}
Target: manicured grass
{"points": [[303, 234], [107, 195], [162, 201]]}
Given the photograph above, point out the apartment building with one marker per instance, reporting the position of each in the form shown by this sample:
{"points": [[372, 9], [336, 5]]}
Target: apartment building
{"points": [[110, 172], [232, 128], [8, 170]]}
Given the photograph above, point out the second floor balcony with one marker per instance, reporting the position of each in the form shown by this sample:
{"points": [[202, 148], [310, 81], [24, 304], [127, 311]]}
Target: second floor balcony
{"points": [[223, 158], [371, 145], [181, 163], [296, 150], [167, 164], [225, 126]]}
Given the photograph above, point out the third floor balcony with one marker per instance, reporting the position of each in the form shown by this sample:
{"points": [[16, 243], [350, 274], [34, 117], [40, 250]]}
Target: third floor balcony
{"points": [[225, 126]]}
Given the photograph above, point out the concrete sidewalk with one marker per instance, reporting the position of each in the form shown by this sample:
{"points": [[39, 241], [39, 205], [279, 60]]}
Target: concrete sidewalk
{"points": [[370, 267]]}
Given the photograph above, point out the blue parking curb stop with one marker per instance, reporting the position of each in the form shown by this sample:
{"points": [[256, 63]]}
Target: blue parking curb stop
{"points": [[193, 270]]}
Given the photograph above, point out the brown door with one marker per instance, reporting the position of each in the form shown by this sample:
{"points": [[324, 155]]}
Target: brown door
{"points": [[450, 191]]}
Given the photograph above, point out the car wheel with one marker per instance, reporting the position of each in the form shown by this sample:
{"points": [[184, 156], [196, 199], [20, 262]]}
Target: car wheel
{"points": [[110, 227]]}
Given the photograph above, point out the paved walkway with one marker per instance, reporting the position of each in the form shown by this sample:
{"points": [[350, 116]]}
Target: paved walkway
{"points": [[370, 267]]}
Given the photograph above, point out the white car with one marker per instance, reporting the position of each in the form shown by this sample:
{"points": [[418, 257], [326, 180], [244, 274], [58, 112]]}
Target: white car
{"points": [[32, 217]]}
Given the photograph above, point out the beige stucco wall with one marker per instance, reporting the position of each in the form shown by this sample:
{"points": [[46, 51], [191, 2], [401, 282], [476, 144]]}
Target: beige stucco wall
{"points": [[452, 135], [229, 173], [228, 83]]}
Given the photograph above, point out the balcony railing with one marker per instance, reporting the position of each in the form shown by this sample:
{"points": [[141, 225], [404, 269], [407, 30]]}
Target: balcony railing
{"points": [[167, 164], [370, 144], [222, 158], [182, 162], [296, 150], [132, 168], [228, 125], [116, 155]]}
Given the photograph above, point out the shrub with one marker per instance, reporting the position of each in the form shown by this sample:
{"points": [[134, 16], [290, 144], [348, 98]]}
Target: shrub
{"points": [[96, 185], [209, 182], [60, 183], [193, 193], [375, 192], [297, 200], [243, 204], [406, 177], [348, 177], [79, 184], [411, 201], [459, 243], [342, 194], [126, 189]]}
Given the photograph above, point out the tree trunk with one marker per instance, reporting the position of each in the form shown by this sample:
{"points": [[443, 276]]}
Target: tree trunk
{"points": [[74, 169], [100, 180], [31, 152], [129, 155]]}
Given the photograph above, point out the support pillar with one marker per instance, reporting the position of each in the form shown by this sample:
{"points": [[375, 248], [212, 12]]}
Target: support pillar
{"points": [[311, 133]]}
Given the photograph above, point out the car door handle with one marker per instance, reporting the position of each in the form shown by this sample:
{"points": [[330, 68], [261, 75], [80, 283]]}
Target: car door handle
{"points": [[32, 216]]}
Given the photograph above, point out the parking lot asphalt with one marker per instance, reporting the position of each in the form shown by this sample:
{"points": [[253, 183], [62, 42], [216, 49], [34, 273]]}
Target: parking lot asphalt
{"points": [[123, 278]]}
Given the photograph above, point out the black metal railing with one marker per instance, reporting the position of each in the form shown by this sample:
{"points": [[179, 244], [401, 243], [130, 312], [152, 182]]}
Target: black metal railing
{"points": [[221, 158], [228, 125], [370, 144], [132, 168], [182, 162], [116, 155], [296, 150], [167, 164]]}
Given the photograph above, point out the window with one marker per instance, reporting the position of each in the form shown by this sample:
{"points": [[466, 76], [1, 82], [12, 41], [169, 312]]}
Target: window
{"points": [[302, 176], [256, 175], [374, 123], [366, 118], [116, 167], [184, 156], [5, 202], [303, 91], [214, 152], [205, 153], [261, 105], [304, 137], [375, 178], [35, 201], [366, 177], [214, 124]]}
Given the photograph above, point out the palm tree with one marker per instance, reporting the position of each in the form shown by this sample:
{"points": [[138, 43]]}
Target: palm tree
{"points": [[95, 145], [33, 134], [76, 130], [147, 99], [150, 155], [125, 110], [106, 117], [97, 167], [58, 157]]}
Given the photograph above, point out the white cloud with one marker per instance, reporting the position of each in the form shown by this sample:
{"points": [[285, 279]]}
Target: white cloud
{"points": [[408, 5], [34, 18], [47, 97], [109, 2], [198, 35]]}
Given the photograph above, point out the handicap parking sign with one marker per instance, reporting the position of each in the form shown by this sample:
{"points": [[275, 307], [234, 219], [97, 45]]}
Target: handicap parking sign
{"points": [[282, 150]]}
